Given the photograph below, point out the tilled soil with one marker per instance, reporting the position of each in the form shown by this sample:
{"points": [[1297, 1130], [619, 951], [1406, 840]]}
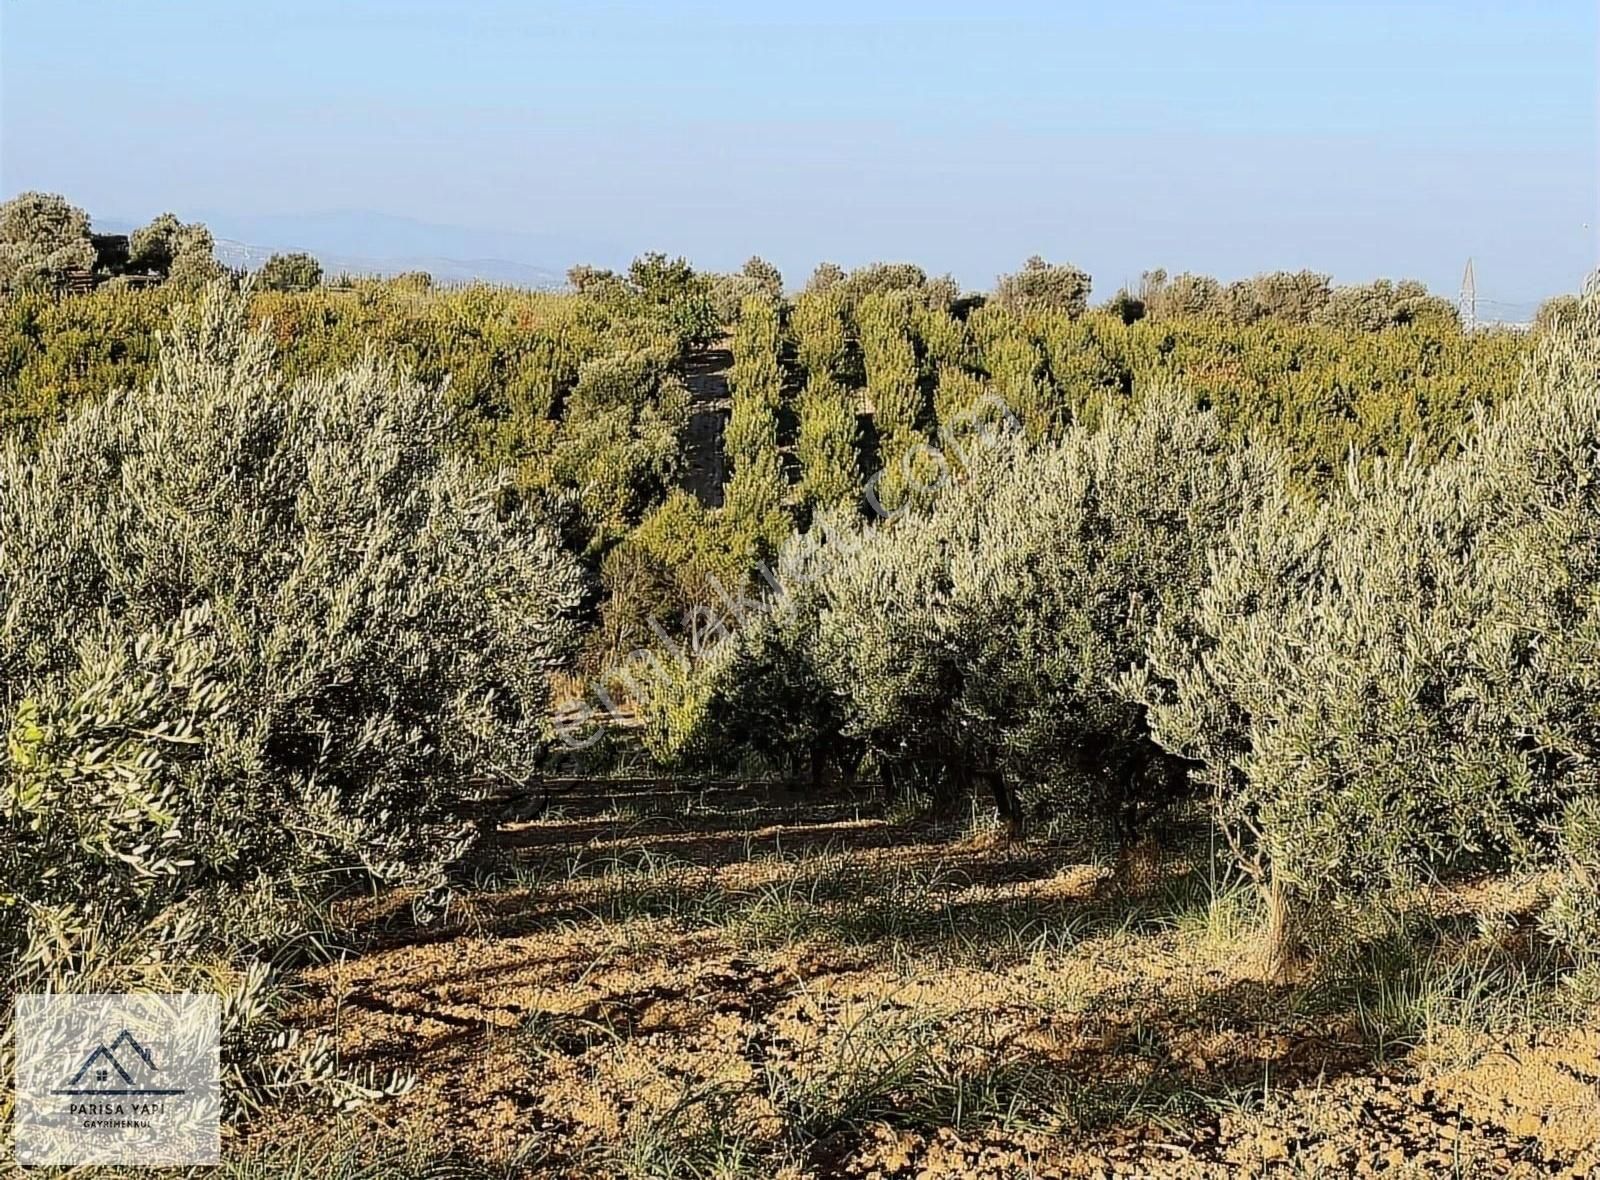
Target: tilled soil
{"points": [[769, 988]]}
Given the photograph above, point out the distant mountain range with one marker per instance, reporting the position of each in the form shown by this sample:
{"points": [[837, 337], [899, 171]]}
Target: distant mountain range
{"points": [[449, 270], [366, 243]]}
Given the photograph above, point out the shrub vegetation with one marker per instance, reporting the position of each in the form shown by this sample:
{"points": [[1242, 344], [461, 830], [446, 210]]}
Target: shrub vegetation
{"points": [[260, 638], [273, 608]]}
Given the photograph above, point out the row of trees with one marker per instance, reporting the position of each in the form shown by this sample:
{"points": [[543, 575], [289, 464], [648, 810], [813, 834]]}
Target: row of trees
{"points": [[757, 488], [580, 395], [916, 364], [581, 400], [46, 243], [1389, 683], [1293, 297], [513, 354], [827, 437], [1114, 570]]}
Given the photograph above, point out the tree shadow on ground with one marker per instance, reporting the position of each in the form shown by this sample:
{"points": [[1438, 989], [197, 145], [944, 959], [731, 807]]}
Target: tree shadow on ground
{"points": [[698, 899]]}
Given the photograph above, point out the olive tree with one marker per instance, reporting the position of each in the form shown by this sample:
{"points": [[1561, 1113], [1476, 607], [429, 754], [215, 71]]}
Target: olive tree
{"points": [[1076, 551], [618, 439], [883, 323], [977, 638], [1372, 307], [1018, 374], [289, 272], [1296, 297], [1398, 684], [768, 279], [826, 277], [674, 291], [259, 639], [755, 700], [1554, 311], [42, 239], [821, 342], [757, 278], [826, 444], [756, 383], [181, 253], [756, 492], [1043, 286]]}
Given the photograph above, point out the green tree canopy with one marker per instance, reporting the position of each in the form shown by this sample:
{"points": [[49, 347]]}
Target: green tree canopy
{"points": [[1044, 286], [180, 252], [42, 238], [290, 272]]}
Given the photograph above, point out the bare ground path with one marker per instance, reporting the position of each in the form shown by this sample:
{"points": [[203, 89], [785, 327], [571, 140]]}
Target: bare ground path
{"points": [[710, 403], [778, 985]]}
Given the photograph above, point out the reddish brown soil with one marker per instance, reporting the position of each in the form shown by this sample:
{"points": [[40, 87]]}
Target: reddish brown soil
{"points": [[796, 990]]}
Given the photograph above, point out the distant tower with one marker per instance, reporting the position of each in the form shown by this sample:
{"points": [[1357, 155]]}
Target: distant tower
{"points": [[1469, 299]]}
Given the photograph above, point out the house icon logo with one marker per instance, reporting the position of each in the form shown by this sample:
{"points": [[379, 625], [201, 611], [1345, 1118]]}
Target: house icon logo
{"points": [[117, 1078], [122, 1068]]}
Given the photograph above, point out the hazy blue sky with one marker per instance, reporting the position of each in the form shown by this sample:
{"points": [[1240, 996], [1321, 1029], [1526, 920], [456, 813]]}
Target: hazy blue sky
{"points": [[1359, 138]]}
